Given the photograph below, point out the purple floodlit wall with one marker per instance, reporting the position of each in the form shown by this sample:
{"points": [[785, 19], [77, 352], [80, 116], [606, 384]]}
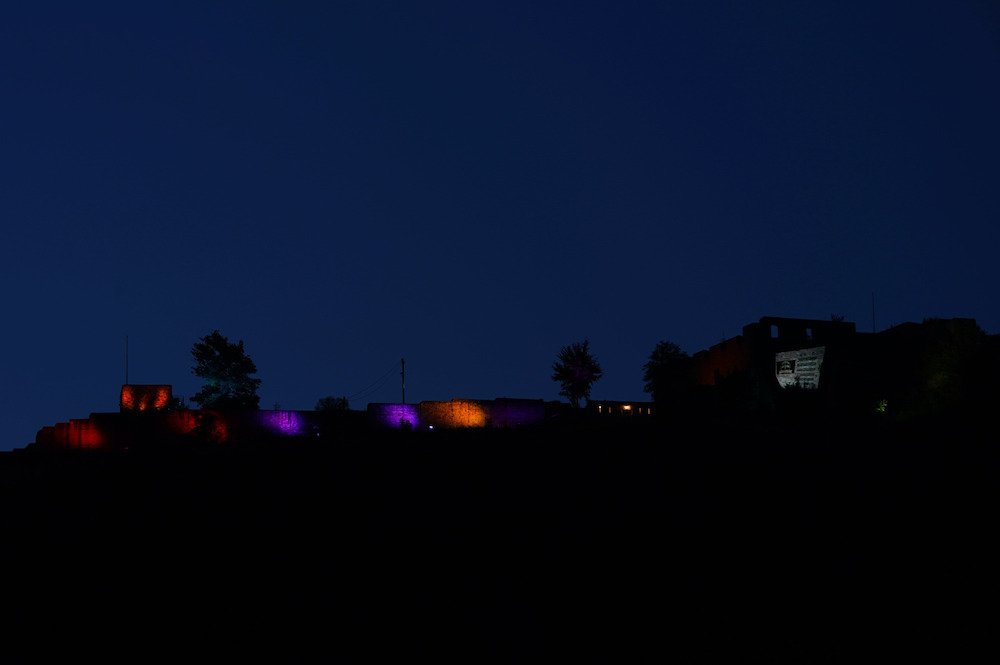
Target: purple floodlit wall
{"points": [[124, 429], [459, 413], [284, 423], [505, 412], [394, 415]]}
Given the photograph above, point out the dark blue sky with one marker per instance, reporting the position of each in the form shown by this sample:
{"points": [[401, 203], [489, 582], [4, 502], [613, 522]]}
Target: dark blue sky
{"points": [[474, 185]]}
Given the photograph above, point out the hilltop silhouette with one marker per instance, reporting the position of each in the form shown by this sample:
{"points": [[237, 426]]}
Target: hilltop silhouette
{"points": [[788, 542], [780, 526], [778, 368]]}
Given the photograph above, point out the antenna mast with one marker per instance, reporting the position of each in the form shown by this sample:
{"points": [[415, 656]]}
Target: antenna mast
{"points": [[873, 311]]}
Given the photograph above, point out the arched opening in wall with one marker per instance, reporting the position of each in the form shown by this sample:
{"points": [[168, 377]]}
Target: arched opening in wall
{"points": [[774, 331]]}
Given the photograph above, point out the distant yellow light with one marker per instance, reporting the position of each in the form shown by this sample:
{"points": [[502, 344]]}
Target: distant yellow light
{"points": [[626, 407]]}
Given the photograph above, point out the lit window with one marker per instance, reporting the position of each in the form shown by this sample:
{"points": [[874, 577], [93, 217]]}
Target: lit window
{"points": [[626, 407]]}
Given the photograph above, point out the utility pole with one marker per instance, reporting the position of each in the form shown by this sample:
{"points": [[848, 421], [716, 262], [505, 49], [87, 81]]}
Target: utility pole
{"points": [[402, 377], [126, 360]]}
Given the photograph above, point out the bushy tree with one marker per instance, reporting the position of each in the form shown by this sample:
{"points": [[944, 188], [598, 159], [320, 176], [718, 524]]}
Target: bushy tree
{"points": [[667, 373], [332, 404], [952, 352], [576, 370], [227, 370]]}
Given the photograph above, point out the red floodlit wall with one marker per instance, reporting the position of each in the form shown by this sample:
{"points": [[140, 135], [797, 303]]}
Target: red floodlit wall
{"points": [[77, 433], [84, 434], [181, 422], [119, 431], [213, 425], [61, 435], [137, 397], [721, 360]]}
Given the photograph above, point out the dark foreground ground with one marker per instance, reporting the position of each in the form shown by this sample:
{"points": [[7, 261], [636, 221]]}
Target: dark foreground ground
{"points": [[797, 544]]}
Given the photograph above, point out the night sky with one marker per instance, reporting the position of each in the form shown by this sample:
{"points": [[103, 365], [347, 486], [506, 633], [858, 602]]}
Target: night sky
{"points": [[474, 185]]}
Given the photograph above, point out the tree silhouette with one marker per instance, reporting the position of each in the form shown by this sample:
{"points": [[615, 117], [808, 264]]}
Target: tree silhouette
{"points": [[226, 369], [667, 373], [576, 370], [332, 404]]}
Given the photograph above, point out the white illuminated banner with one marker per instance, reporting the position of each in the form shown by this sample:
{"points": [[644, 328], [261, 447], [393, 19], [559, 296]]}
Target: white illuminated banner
{"points": [[799, 368]]}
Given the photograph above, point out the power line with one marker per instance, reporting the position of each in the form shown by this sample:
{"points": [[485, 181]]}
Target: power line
{"points": [[366, 394], [373, 385]]}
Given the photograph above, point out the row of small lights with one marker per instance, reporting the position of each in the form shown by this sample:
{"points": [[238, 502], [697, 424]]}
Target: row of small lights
{"points": [[625, 407]]}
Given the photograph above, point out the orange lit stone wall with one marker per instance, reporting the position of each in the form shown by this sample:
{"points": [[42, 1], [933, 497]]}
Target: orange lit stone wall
{"points": [[453, 414]]}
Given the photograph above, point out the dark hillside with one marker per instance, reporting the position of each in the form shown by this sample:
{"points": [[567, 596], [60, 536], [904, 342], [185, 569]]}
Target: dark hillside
{"points": [[634, 544]]}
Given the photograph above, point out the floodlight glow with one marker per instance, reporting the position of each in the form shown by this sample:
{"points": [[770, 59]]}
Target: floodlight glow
{"points": [[456, 413], [799, 368], [286, 423], [394, 415], [181, 422], [135, 397], [84, 434]]}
